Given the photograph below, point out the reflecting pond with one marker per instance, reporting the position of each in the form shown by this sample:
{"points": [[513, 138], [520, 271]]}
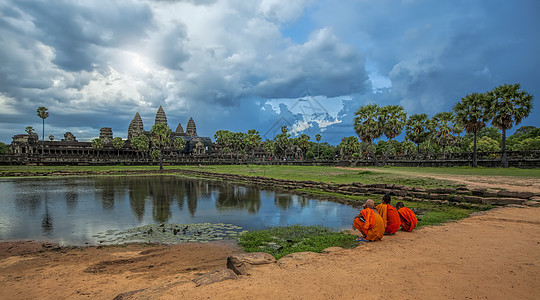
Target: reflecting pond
{"points": [[76, 210]]}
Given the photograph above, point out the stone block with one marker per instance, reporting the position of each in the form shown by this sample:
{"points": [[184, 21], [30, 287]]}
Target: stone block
{"points": [[401, 193], [242, 263], [507, 194], [525, 195], [376, 191], [491, 194], [420, 194], [503, 201], [398, 186], [473, 199], [456, 198], [445, 190], [215, 276], [478, 192], [419, 189]]}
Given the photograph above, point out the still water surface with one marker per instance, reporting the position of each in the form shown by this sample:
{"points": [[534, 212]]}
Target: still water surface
{"points": [[73, 210]]}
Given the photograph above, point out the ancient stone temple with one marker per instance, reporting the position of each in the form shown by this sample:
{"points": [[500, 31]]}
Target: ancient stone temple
{"points": [[179, 129], [106, 135], [191, 130], [161, 118], [135, 127], [69, 137]]}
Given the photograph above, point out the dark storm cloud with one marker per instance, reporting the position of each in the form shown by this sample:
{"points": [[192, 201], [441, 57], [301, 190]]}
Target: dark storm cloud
{"points": [[76, 31]]}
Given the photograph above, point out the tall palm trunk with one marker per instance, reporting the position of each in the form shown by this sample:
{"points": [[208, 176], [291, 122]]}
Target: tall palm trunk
{"points": [[387, 152], [474, 157], [373, 154], [504, 159]]}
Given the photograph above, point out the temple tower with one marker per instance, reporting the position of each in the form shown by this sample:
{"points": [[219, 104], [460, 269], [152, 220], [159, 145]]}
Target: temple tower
{"points": [[106, 135], [191, 130], [135, 127], [179, 129], [161, 118]]}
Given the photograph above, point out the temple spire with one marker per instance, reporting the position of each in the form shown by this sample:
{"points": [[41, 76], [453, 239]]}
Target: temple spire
{"points": [[161, 118], [135, 127], [191, 129]]}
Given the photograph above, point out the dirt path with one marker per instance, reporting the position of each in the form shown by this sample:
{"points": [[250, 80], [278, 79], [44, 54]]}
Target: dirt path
{"points": [[495, 255], [510, 183]]}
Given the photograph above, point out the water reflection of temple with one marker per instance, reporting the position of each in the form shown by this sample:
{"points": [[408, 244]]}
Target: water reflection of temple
{"points": [[28, 144]]}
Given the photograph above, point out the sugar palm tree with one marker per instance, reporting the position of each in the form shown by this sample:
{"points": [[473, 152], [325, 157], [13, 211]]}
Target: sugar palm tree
{"points": [[393, 118], [418, 129], [509, 106], [118, 143], [473, 112], [445, 130], [318, 139], [367, 125], [141, 144], [43, 113], [179, 144], [160, 138], [97, 144]]}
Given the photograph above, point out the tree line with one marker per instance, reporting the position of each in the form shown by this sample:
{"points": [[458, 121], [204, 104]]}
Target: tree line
{"points": [[504, 106]]}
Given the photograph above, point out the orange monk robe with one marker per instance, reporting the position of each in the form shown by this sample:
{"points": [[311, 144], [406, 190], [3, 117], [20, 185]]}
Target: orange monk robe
{"points": [[390, 217], [370, 224], [408, 219]]}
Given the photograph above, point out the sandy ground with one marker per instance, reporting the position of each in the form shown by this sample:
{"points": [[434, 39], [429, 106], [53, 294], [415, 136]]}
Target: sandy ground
{"points": [[511, 183], [494, 255]]}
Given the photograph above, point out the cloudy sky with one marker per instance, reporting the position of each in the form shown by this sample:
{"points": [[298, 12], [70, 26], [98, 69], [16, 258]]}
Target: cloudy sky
{"points": [[258, 64]]}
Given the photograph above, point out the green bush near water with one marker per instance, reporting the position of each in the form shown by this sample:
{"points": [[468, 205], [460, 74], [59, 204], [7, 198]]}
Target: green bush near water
{"points": [[280, 241]]}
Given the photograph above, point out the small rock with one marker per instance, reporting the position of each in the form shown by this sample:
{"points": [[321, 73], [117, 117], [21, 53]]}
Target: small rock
{"points": [[241, 263], [215, 276]]}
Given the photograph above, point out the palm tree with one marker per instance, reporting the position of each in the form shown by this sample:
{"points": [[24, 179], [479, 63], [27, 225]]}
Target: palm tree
{"points": [[367, 125], [318, 139], [282, 142], [140, 143], [252, 140], [444, 129], [348, 146], [43, 113], [179, 144], [303, 143], [160, 138], [510, 106], [472, 112], [118, 143], [393, 118], [418, 129], [97, 144]]}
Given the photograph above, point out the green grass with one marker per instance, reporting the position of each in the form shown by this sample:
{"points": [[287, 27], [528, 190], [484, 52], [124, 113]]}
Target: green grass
{"points": [[280, 241], [428, 213], [325, 174]]}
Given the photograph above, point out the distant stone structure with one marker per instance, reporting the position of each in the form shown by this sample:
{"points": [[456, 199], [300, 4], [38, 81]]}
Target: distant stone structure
{"points": [[161, 118], [179, 129], [106, 135], [69, 137], [29, 144], [135, 127], [191, 129]]}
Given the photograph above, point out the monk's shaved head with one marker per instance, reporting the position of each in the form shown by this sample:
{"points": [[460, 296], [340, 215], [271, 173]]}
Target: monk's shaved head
{"points": [[369, 203], [399, 205]]}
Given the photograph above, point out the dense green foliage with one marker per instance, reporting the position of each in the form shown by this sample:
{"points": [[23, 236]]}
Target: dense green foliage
{"points": [[280, 241], [3, 148]]}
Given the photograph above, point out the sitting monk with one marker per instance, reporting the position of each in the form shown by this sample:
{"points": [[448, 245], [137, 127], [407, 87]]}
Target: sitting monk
{"points": [[389, 215], [407, 216], [369, 223]]}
